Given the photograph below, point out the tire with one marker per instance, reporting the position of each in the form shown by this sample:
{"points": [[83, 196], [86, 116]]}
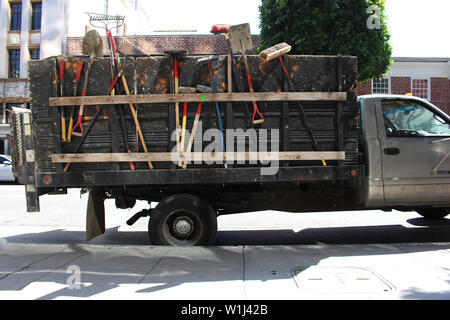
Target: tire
{"points": [[183, 220], [433, 213]]}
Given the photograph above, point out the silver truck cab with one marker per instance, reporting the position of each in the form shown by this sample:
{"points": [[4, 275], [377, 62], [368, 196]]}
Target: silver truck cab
{"points": [[406, 144]]}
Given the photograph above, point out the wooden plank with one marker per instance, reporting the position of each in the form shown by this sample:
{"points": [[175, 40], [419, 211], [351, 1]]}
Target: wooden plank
{"points": [[200, 97], [197, 156], [15, 100]]}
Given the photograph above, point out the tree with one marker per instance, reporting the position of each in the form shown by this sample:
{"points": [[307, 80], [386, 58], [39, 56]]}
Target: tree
{"points": [[330, 27]]}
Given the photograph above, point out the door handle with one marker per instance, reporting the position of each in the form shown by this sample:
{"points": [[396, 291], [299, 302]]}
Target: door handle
{"points": [[391, 151]]}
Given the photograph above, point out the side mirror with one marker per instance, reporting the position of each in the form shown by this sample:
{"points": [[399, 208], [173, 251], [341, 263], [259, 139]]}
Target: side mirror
{"points": [[8, 163]]}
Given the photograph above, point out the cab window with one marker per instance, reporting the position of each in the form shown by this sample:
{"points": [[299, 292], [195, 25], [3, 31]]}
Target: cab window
{"points": [[411, 119]]}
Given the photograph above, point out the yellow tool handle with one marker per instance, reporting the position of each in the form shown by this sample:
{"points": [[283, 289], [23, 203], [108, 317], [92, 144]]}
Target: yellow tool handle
{"points": [[183, 132], [69, 133], [63, 128], [136, 121], [177, 117]]}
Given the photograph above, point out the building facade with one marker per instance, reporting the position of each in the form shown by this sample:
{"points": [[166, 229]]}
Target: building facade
{"points": [[428, 78], [29, 29], [37, 29]]}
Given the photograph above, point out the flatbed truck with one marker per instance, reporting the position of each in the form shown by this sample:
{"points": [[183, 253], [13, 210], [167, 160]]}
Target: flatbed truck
{"points": [[320, 148]]}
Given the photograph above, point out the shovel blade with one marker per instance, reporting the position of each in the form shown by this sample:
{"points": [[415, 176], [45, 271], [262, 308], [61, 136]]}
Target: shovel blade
{"points": [[240, 38]]}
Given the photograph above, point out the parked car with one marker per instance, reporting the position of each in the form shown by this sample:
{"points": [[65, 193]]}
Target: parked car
{"points": [[6, 173]]}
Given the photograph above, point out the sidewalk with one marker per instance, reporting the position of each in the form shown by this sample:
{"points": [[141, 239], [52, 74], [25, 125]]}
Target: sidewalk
{"points": [[86, 271]]}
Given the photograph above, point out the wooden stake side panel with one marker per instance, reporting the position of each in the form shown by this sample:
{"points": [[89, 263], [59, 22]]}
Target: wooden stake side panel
{"points": [[314, 78], [197, 156], [199, 97]]}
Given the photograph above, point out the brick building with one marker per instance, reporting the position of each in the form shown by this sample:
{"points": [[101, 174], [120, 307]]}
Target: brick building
{"points": [[428, 78], [33, 29], [156, 44]]}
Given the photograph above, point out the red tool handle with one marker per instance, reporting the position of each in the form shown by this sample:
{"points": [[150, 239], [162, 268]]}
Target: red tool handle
{"points": [[78, 124], [61, 70], [255, 106], [256, 111], [185, 109], [175, 69], [283, 66], [199, 108], [83, 93], [250, 82], [113, 83], [111, 39], [131, 163], [79, 120], [80, 68]]}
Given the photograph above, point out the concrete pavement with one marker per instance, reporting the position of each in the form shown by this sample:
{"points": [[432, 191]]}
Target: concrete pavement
{"points": [[82, 271], [260, 256]]}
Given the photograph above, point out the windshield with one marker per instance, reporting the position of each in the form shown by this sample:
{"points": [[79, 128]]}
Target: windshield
{"points": [[410, 118]]}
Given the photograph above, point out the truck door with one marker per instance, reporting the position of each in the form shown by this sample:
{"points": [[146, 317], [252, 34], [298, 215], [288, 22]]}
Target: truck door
{"points": [[415, 147]]}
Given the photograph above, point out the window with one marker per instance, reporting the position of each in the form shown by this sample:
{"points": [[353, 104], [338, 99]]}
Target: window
{"points": [[35, 54], [16, 16], [3, 160], [3, 118], [380, 86], [411, 119], [14, 63], [420, 88], [36, 16], [7, 110]]}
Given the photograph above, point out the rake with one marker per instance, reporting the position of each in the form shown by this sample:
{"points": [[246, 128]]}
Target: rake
{"points": [[99, 20], [103, 21]]}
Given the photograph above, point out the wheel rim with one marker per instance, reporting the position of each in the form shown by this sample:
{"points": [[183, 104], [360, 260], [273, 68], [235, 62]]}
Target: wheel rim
{"points": [[182, 227]]}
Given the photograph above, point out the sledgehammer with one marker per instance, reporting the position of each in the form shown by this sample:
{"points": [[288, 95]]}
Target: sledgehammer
{"points": [[277, 51]]}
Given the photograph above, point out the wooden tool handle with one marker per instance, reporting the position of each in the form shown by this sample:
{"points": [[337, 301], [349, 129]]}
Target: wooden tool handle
{"points": [[136, 121], [193, 131]]}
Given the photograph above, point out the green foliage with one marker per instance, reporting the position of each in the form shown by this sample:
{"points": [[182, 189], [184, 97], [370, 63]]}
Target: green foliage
{"points": [[329, 27]]}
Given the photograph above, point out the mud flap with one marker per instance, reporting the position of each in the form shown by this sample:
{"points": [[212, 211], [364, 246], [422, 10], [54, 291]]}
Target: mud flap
{"points": [[95, 215]]}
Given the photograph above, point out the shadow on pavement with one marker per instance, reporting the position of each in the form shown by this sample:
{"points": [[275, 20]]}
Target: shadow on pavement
{"points": [[423, 231], [155, 271], [165, 272], [430, 231]]}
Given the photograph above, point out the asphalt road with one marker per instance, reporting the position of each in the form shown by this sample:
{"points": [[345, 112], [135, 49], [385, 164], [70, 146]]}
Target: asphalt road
{"points": [[259, 255]]}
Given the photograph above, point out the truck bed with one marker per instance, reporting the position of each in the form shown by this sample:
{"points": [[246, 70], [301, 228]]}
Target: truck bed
{"points": [[39, 151]]}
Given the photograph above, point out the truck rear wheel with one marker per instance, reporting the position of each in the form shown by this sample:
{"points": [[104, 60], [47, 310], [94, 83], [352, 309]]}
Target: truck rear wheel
{"points": [[183, 220], [433, 213]]}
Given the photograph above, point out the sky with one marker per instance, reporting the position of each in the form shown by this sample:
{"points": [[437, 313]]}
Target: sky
{"points": [[418, 28], [201, 15]]}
